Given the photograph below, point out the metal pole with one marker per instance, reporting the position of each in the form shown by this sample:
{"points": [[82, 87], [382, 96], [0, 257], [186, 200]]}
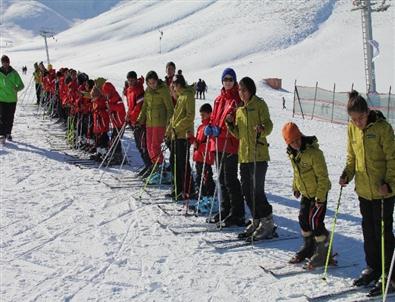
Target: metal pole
{"points": [[368, 36], [300, 104], [388, 106], [293, 109], [333, 101], [46, 49], [315, 98]]}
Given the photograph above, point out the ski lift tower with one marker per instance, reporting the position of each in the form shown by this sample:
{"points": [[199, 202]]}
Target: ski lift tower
{"points": [[367, 7], [47, 34], [160, 40]]}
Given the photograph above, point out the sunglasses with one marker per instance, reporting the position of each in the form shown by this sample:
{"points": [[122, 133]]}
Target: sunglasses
{"points": [[228, 79]]}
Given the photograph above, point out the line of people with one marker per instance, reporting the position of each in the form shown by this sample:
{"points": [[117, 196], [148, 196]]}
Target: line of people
{"points": [[233, 137]]}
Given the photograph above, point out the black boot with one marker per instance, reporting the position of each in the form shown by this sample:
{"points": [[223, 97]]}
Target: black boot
{"points": [[230, 221], [306, 251], [377, 290], [215, 218], [368, 276]]}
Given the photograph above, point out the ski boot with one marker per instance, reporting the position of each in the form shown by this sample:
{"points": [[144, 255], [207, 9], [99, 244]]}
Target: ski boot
{"points": [[265, 230], [306, 251], [215, 218], [321, 251], [230, 221], [2, 140], [249, 230], [367, 276], [377, 290]]}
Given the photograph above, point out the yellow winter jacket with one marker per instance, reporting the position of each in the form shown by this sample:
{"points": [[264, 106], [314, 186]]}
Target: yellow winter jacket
{"points": [[184, 114], [247, 118], [310, 171], [157, 108], [371, 156]]}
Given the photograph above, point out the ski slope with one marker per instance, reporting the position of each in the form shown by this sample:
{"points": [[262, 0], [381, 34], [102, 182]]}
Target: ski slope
{"points": [[67, 236]]}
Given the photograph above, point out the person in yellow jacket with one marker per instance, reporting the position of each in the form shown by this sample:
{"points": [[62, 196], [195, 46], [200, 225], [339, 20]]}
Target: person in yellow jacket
{"points": [[371, 161], [155, 114], [37, 81], [178, 132], [311, 183], [251, 126]]}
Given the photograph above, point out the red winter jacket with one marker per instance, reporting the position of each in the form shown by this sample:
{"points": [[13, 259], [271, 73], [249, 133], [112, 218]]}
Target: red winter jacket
{"points": [[101, 119], [135, 97], [226, 103], [72, 96], [116, 106], [201, 141], [62, 91]]}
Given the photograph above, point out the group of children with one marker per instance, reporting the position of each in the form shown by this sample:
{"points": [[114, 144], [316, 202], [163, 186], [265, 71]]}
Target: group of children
{"points": [[233, 137]]}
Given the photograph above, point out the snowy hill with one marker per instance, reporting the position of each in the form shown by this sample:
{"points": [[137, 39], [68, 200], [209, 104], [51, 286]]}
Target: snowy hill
{"points": [[261, 38], [67, 236], [24, 19]]}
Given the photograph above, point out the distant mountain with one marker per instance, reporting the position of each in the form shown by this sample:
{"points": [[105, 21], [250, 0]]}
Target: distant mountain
{"points": [[26, 18], [80, 9]]}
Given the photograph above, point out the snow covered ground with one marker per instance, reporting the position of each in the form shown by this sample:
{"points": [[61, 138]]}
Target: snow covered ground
{"points": [[65, 236]]}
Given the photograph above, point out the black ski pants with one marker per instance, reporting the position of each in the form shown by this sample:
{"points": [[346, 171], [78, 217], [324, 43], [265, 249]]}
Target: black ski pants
{"points": [[181, 168], [7, 113], [311, 218], [141, 144], [208, 185], [231, 199], [259, 208], [371, 228]]}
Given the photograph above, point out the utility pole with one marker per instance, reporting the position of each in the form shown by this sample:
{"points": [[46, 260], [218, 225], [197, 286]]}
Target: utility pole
{"points": [[160, 41], [47, 34], [366, 7]]}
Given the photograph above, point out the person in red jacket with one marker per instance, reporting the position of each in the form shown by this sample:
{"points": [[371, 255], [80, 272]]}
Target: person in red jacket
{"points": [[202, 155], [87, 110], [117, 115], [134, 92], [221, 141], [101, 123]]}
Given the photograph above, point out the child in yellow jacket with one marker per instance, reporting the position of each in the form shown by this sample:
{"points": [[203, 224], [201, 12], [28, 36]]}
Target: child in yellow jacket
{"points": [[311, 183]]}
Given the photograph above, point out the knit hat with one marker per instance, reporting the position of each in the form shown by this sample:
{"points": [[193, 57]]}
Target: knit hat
{"points": [[131, 75], [229, 72], [291, 132], [5, 58]]}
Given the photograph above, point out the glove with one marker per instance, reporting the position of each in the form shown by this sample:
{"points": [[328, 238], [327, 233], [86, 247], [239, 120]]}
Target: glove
{"points": [[208, 131], [343, 179], [216, 131], [318, 203], [167, 142], [384, 189], [297, 194]]}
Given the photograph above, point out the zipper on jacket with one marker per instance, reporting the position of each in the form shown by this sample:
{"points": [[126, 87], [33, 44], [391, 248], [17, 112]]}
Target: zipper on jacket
{"points": [[366, 167]]}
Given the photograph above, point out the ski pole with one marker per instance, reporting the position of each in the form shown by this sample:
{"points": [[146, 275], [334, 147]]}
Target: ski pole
{"points": [[187, 184], [152, 171], [112, 148], [257, 134], [389, 277], [219, 169], [174, 145], [332, 235], [201, 179], [382, 249]]}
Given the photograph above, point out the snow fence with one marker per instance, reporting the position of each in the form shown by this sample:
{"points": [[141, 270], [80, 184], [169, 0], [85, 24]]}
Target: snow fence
{"points": [[329, 105]]}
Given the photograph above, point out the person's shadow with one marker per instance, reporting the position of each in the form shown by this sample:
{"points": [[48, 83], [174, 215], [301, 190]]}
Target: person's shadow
{"points": [[15, 145]]}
